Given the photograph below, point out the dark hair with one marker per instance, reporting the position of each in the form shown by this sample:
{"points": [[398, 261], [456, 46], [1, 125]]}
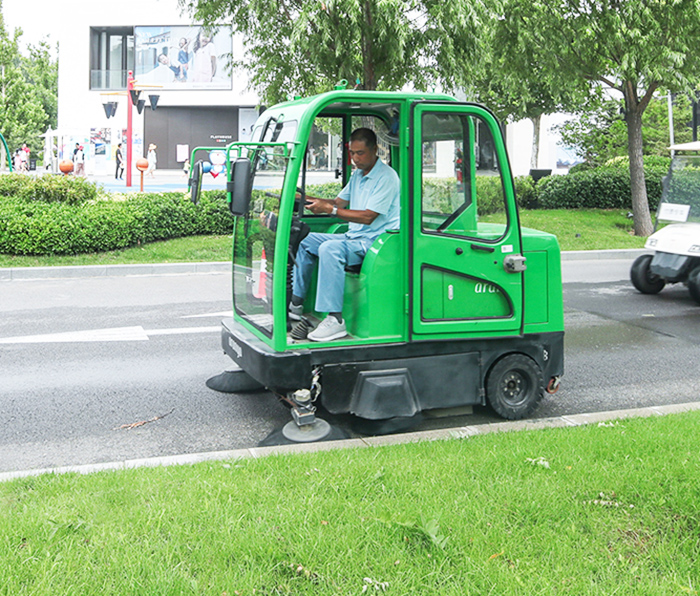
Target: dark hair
{"points": [[366, 135]]}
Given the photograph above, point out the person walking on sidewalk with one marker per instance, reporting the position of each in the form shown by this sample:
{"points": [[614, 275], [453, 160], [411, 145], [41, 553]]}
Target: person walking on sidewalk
{"points": [[152, 160], [80, 162], [119, 174]]}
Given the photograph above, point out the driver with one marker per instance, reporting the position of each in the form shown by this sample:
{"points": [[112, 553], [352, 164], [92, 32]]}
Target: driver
{"points": [[370, 203]]}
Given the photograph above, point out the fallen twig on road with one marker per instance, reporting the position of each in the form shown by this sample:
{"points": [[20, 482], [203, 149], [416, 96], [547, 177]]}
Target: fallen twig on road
{"points": [[142, 422]]}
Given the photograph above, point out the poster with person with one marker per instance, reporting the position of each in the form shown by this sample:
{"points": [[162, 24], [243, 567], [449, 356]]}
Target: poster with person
{"points": [[182, 57]]}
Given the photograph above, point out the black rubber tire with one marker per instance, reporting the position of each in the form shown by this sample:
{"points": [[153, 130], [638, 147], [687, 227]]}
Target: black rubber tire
{"points": [[694, 284], [643, 279], [514, 386]]}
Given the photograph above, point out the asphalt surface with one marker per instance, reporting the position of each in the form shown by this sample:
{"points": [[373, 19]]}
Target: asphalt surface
{"points": [[628, 350]]}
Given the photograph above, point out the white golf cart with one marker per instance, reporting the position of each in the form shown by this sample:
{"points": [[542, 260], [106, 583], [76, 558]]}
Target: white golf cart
{"points": [[676, 237]]}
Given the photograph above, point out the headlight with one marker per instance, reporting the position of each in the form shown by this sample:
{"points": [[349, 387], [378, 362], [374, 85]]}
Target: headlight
{"points": [[652, 242], [695, 248]]}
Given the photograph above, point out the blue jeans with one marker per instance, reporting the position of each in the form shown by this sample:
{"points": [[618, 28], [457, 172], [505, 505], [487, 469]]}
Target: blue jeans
{"points": [[333, 252]]}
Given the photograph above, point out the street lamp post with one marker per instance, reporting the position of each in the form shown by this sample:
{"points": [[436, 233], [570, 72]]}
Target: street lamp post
{"points": [[132, 95], [129, 126]]}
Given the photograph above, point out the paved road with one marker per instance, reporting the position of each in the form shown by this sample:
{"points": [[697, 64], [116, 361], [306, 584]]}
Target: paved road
{"points": [[140, 347], [144, 347]]}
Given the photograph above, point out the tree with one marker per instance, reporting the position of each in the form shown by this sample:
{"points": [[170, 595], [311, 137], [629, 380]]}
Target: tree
{"points": [[520, 88], [305, 46], [514, 96], [635, 47], [40, 71], [28, 90], [599, 134]]}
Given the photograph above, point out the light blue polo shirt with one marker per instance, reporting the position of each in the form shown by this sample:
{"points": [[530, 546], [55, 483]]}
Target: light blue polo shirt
{"points": [[378, 191]]}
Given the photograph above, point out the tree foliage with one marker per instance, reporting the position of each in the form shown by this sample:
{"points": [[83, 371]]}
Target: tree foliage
{"points": [[632, 46], [305, 46], [40, 71], [28, 90], [599, 133]]}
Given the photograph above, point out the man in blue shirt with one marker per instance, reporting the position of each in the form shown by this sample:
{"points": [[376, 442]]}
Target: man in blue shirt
{"points": [[370, 203]]}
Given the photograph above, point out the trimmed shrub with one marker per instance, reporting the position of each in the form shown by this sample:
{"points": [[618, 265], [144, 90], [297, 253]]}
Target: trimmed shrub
{"points": [[329, 190], [525, 192], [16, 185], [606, 187], [489, 192], [72, 190], [50, 188], [29, 227]]}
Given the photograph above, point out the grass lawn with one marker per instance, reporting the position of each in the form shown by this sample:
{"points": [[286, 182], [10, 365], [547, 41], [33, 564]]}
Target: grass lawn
{"points": [[577, 230], [585, 229], [603, 509]]}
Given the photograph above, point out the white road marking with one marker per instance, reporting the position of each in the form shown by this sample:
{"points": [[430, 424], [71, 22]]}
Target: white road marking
{"points": [[137, 333], [225, 313], [183, 330]]}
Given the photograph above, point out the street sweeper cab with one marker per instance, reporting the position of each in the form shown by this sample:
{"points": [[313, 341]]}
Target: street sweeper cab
{"points": [[456, 306]]}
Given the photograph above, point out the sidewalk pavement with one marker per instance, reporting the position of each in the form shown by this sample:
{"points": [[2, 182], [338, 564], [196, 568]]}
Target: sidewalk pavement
{"points": [[162, 181], [177, 181]]}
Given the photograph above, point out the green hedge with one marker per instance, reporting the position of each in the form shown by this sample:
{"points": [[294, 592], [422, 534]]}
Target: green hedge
{"points": [[684, 188], [606, 187], [72, 190], [66, 215], [30, 227], [489, 192]]}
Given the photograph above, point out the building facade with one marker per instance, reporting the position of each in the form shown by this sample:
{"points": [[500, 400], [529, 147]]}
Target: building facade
{"points": [[200, 102], [176, 64]]}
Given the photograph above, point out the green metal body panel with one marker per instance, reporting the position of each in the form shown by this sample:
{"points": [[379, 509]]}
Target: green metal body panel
{"points": [[543, 299]]}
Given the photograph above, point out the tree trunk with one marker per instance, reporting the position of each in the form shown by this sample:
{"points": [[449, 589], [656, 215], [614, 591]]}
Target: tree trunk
{"points": [[535, 155], [369, 81], [640, 201]]}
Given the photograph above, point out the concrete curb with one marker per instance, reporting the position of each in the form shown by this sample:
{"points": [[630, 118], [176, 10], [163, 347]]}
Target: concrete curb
{"points": [[76, 272], [461, 432], [590, 255]]}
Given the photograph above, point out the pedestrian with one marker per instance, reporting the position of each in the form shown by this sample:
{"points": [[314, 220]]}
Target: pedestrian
{"points": [[23, 159], [80, 161], [119, 173], [152, 160], [17, 161]]}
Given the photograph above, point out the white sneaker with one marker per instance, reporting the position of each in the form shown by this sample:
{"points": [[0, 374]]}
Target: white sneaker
{"points": [[295, 312], [328, 330]]}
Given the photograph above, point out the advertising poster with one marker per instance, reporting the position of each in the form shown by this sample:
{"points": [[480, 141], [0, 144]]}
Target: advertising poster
{"points": [[181, 57]]}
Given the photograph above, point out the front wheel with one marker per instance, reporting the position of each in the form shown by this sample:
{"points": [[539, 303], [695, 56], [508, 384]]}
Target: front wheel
{"points": [[514, 386], [642, 277], [694, 284]]}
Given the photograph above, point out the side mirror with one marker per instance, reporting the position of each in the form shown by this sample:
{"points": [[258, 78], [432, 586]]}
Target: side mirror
{"points": [[195, 181], [240, 186]]}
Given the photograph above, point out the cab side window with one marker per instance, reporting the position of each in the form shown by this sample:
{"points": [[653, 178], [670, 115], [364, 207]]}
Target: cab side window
{"points": [[462, 192]]}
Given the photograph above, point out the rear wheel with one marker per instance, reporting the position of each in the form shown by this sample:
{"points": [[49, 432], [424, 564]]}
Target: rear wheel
{"points": [[514, 386], [694, 284], [642, 277]]}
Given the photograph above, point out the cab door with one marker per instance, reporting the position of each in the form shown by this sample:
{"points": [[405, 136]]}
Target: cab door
{"points": [[466, 274]]}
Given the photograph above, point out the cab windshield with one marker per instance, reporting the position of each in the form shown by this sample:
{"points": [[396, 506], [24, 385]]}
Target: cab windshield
{"points": [[255, 234]]}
